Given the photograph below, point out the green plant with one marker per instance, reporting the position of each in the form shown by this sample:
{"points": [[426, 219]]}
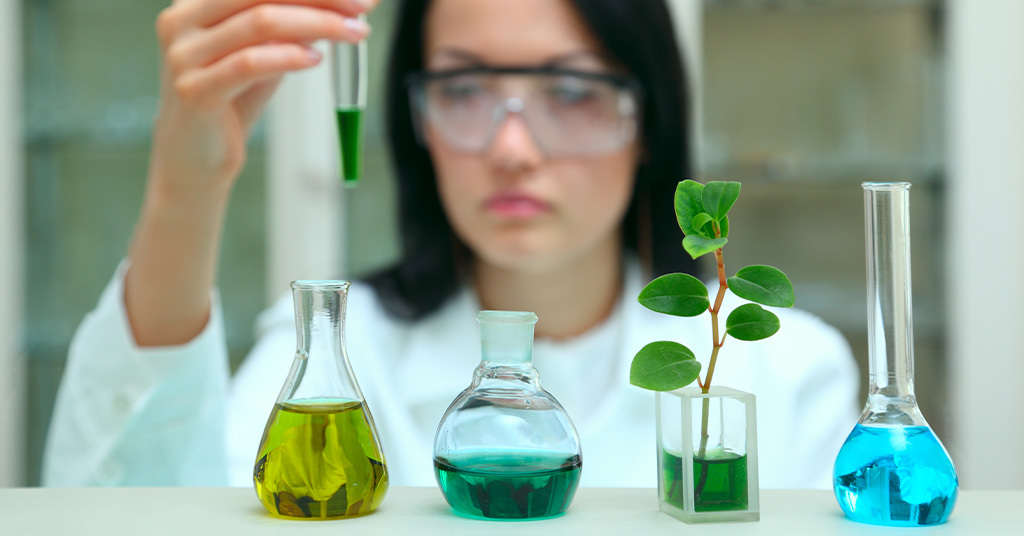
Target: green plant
{"points": [[701, 211]]}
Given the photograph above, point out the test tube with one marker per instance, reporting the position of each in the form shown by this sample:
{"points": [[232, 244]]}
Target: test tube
{"points": [[348, 70]]}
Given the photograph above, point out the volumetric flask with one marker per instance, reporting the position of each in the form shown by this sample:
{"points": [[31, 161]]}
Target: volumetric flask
{"points": [[892, 470]]}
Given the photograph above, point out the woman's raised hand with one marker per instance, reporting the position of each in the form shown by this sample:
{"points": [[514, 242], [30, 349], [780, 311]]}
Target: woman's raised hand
{"points": [[222, 60]]}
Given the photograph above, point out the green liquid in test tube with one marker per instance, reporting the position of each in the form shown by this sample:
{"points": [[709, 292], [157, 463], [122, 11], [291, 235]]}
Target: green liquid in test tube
{"points": [[350, 137], [349, 78]]}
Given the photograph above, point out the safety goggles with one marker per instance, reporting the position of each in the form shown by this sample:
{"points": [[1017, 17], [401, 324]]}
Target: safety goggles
{"points": [[568, 113]]}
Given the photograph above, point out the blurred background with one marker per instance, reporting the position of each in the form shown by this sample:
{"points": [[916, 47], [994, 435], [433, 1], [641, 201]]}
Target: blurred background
{"points": [[799, 99]]}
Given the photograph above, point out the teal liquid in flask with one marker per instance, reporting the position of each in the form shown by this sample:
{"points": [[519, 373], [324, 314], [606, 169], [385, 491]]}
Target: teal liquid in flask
{"points": [[506, 449], [892, 470]]}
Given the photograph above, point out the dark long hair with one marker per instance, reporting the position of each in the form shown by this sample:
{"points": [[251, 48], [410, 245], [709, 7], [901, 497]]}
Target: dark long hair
{"points": [[638, 34]]}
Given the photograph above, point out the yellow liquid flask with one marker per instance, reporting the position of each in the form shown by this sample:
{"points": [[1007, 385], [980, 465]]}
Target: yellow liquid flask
{"points": [[320, 456]]}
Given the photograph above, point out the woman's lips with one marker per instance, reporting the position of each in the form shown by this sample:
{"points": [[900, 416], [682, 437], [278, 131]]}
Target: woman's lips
{"points": [[516, 206]]}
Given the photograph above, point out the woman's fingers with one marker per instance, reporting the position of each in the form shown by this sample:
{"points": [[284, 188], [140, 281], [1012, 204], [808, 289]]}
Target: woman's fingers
{"points": [[185, 16], [260, 25], [217, 84], [251, 103], [204, 13]]}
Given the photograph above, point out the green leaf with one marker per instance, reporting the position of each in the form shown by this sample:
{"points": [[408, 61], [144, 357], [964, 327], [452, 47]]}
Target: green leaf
{"points": [[698, 245], [663, 366], [688, 204], [766, 285], [699, 221], [675, 294], [751, 323], [718, 197]]}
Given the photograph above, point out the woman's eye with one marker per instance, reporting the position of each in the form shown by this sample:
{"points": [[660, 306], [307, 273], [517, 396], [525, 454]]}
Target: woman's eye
{"points": [[460, 91], [570, 94]]}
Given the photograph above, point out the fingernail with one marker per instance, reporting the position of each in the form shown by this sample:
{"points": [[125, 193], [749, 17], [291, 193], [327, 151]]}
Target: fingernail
{"points": [[314, 55], [364, 5], [357, 26]]}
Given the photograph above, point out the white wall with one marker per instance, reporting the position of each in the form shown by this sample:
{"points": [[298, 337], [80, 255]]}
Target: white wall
{"points": [[304, 201], [985, 225], [11, 247]]}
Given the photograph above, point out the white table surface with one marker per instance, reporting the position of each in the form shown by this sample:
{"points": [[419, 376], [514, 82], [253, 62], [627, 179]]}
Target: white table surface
{"points": [[237, 511]]}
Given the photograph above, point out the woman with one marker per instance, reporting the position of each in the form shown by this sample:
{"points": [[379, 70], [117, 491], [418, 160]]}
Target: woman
{"points": [[537, 148]]}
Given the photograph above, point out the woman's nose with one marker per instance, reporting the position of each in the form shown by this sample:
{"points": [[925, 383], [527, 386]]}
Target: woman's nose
{"points": [[513, 146]]}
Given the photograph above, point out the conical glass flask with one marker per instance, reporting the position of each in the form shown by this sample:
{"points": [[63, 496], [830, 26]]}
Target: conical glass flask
{"points": [[892, 470], [506, 449], [320, 457]]}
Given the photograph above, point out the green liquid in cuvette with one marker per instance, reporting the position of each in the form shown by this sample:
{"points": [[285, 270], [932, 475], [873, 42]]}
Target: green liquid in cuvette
{"points": [[319, 460], [719, 481], [509, 486], [350, 136]]}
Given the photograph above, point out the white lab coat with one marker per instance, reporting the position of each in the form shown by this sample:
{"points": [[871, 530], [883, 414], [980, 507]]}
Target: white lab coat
{"points": [[127, 415]]}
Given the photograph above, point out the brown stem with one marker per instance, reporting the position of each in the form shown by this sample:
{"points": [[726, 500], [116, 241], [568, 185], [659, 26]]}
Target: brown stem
{"points": [[716, 346], [716, 341]]}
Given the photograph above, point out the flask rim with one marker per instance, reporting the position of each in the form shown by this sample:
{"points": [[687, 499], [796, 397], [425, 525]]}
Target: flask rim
{"points": [[885, 186], [320, 284], [507, 317]]}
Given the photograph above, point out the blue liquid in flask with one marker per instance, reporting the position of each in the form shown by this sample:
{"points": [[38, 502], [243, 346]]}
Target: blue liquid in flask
{"points": [[895, 476]]}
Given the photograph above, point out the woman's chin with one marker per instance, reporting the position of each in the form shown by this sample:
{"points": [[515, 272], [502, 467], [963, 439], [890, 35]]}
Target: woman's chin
{"points": [[520, 258]]}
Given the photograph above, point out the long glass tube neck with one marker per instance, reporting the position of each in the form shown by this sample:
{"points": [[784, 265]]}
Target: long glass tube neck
{"points": [[891, 399]]}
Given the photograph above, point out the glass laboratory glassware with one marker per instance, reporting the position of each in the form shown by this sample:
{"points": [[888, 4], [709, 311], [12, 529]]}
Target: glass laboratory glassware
{"points": [[320, 456], [719, 481], [505, 448], [892, 470], [349, 79]]}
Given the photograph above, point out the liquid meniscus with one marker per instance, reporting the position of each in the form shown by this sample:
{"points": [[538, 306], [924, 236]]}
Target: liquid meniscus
{"points": [[319, 460], [895, 476], [350, 137], [509, 485]]}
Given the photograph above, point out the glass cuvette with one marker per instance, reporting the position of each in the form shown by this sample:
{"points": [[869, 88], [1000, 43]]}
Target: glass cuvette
{"points": [[713, 479]]}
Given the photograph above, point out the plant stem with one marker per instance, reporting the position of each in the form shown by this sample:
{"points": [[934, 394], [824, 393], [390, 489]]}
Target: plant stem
{"points": [[706, 406], [717, 343]]}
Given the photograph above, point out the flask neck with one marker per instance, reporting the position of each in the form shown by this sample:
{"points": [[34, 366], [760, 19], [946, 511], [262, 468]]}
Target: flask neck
{"points": [[321, 368], [490, 374], [506, 337], [506, 347], [891, 397], [319, 320]]}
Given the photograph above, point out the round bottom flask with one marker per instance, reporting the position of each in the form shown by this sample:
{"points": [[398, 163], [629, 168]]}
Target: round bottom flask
{"points": [[506, 449]]}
